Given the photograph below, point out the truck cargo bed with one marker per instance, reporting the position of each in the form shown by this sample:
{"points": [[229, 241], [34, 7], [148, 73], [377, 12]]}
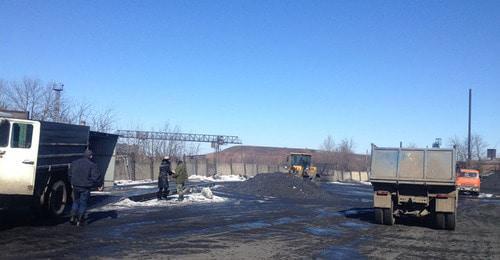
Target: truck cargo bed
{"points": [[413, 166]]}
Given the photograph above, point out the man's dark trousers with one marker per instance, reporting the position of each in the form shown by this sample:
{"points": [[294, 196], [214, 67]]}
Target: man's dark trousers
{"points": [[81, 197]]}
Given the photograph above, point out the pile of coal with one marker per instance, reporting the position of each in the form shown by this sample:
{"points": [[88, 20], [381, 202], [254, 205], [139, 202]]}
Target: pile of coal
{"points": [[491, 184], [280, 185]]}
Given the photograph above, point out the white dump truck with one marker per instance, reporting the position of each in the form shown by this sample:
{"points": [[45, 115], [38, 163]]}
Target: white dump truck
{"points": [[35, 157], [418, 182]]}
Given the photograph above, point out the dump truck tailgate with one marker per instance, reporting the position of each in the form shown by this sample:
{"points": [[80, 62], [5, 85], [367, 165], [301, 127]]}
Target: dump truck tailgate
{"points": [[413, 166]]}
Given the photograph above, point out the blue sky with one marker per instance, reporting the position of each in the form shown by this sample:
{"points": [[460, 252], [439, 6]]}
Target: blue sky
{"points": [[276, 73]]}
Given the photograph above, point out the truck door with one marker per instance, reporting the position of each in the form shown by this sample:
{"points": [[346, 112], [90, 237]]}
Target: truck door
{"points": [[18, 155]]}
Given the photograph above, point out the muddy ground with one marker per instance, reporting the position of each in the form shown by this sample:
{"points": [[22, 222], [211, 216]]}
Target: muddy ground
{"points": [[246, 226]]}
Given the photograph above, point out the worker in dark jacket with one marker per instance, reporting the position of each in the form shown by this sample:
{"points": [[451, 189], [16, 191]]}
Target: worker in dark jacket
{"points": [[83, 175], [165, 171], [180, 176]]}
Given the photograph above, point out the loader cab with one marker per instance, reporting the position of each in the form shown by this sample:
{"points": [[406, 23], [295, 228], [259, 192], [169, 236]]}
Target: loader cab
{"points": [[301, 164], [300, 159], [18, 155]]}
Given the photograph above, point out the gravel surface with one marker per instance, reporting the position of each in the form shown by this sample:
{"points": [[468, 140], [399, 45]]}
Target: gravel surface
{"points": [[280, 185]]}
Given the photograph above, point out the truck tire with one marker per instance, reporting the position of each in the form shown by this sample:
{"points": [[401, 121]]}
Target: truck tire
{"points": [[379, 215], [450, 221], [57, 198], [440, 220], [388, 217]]}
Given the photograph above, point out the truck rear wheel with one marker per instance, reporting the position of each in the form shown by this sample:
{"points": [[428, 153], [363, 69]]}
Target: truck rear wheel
{"points": [[379, 215], [440, 220], [388, 217], [58, 198], [450, 221]]}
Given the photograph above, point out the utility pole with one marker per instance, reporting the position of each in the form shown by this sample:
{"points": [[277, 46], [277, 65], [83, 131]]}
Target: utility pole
{"points": [[58, 88], [469, 132]]}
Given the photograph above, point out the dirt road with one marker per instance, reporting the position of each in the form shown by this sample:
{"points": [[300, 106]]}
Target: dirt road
{"points": [[243, 226]]}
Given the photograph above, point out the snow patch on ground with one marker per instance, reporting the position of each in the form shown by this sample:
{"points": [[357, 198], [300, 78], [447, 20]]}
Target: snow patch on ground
{"points": [[130, 182], [100, 192], [217, 178], [352, 183], [145, 186], [189, 199], [485, 195], [207, 193]]}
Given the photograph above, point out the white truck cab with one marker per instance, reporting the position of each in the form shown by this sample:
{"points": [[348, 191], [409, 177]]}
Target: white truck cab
{"points": [[19, 142]]}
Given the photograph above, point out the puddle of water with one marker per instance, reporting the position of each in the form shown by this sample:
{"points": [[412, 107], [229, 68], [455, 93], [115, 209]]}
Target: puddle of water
{"points": [[339, 252], [285, 220], [490, 201], [352, 212], [141, 223], [354, 225], [250, 225], [322, 213], [324, 232]]}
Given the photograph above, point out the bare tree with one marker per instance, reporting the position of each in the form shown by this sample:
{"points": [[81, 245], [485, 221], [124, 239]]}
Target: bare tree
{"points": [[345, 152], [3, 94], [328, 144], [102, 121], [193, 149], [478, 147], [328, 152], [25, 96], [460, 146], [81, 113]]}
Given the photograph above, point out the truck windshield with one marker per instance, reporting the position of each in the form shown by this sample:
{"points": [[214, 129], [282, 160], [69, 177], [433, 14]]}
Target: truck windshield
{"points": [[4, 132], [467, 174]]}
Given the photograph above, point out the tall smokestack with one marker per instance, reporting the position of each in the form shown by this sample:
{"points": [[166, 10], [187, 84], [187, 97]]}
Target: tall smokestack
{"points": [[469, 134]]}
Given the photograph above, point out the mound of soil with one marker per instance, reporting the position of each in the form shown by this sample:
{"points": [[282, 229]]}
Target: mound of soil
{"points": [[280, 185], [491, 184]]}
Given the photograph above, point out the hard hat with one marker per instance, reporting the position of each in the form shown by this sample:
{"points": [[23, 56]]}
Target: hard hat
{"points": [[166, 158]]}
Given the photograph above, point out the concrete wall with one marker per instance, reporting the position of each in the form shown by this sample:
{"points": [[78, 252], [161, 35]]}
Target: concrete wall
{"points": [[143, 171]]}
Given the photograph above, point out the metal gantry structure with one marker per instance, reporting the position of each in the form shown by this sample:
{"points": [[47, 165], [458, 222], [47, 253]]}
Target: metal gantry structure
{"points": [[216, 140], [182, 137]]}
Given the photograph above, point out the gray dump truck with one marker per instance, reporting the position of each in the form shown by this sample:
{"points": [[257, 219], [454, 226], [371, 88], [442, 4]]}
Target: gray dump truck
{"points": [[35, 157], [417, 182]]}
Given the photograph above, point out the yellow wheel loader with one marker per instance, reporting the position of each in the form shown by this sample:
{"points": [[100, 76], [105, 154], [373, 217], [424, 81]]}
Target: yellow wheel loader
{"points": [[300, 164]]}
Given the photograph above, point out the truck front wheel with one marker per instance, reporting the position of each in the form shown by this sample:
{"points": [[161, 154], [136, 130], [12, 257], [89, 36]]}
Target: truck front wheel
{"points": [[379, 215], [58, 198]]}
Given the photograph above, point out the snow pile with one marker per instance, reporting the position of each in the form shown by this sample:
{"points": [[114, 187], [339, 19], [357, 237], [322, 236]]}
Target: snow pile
{"points": [[195, 198], [351, 182], [145, 186], [217, 178], [485, 195], [130, 182], [207, 193]]}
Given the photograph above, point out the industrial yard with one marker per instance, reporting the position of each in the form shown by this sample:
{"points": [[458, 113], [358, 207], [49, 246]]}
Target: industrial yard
{"points": [[268, 216], [249, 129]]}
